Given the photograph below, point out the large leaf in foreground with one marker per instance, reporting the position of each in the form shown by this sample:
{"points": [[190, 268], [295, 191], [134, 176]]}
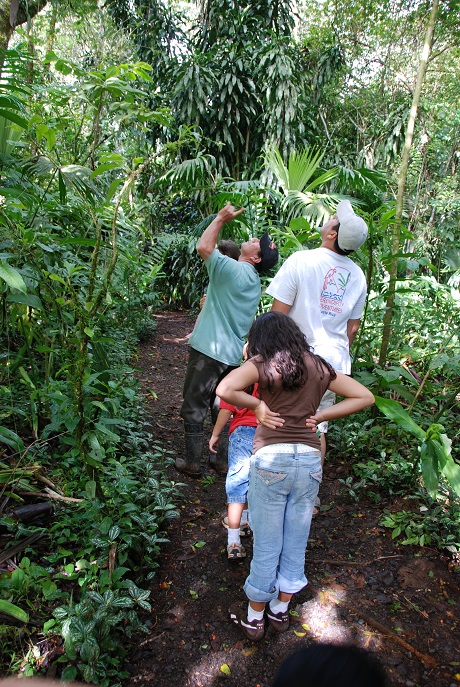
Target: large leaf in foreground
{"points": [[14, 611], [12, 277], [394, 411]]}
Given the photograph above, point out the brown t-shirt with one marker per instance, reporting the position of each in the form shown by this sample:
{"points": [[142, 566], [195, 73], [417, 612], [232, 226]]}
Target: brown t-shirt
{"points": [[293, 406]]}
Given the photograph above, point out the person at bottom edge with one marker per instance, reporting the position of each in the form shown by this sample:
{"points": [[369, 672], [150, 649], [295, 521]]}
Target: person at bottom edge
{"points": [[241, 432], [331, 665], [285, 471]]}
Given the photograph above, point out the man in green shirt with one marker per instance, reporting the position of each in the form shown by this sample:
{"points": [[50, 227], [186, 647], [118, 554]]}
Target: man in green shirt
{"points": [[217, 341]]}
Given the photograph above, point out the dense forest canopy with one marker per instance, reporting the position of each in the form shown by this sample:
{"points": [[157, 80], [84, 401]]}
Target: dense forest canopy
{"points": [[124, 125]]}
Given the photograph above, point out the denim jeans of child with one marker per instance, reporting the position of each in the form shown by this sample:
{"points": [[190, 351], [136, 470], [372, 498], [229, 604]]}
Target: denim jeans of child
{"points": [[283, 483], [239, 457]]}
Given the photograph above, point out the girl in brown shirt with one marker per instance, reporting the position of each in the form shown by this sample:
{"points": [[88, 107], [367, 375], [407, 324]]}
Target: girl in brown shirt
{"points": [[285, 471]]}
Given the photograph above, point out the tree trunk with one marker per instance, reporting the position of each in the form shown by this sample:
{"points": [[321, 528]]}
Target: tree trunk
{"points": [[5, 27], [396, 245], [13, 13], [31, 50], [51, 32]]}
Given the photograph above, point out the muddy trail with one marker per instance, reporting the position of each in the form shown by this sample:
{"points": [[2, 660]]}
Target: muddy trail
{"points": [[401, 602]]}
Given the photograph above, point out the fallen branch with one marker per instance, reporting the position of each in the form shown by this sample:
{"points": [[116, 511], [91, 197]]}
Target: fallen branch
{"points": [[326, 561], [416, 608], [152, 639], [48, 483], [424, 658], [68, 499]]}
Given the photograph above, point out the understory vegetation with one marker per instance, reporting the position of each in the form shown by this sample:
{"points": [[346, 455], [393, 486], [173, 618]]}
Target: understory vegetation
{"points": [[116, 150]]}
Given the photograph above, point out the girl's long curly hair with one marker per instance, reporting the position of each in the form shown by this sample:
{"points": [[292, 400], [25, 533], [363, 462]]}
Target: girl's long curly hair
{"points": [[281, 344]]}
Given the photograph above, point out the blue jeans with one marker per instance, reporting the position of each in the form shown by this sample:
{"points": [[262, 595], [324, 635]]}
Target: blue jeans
{"points": [[283, 483], [239, 457]]}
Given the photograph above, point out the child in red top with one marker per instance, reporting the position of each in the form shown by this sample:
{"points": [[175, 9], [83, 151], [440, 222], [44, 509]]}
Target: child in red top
{"points": [[241, 432]]}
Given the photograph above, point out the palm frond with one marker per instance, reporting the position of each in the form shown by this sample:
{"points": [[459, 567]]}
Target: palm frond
{"points": [[302, 166], [300, 169], [317, 208], [9, 134], [39, 166], [238, 193], [78, 179], [243, 187], [15, 68], [323, 178], [160, 245], [190, 172], [358, 181], [12, 99]]}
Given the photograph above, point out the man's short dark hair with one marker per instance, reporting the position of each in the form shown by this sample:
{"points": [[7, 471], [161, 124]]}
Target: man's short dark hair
{"points": [[336, 244]]}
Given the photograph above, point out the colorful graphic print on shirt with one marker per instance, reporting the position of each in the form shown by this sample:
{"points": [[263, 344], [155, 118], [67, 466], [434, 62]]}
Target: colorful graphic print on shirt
{"points": [[333, 292]]}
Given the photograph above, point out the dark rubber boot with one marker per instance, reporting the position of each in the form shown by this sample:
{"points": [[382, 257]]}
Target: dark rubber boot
{"points": [[191, 464], [219, 461]]}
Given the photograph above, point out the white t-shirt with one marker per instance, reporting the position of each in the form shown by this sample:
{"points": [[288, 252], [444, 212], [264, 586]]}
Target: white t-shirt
{"points": [[325, 290]]}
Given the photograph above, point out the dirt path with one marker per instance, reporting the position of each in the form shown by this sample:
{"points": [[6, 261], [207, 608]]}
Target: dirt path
{"points": [[401, 602]]}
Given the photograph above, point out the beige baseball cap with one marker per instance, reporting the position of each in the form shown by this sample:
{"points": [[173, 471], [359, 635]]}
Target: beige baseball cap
{"points": [[353, 229]]}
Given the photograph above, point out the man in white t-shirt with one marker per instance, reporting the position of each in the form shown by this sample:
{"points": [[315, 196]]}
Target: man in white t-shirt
{"points": [[324, 292]]}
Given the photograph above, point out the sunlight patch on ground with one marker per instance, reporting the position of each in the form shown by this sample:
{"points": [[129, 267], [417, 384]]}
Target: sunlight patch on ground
{"points": [[318, 620], [218, 665], [320, 615]]}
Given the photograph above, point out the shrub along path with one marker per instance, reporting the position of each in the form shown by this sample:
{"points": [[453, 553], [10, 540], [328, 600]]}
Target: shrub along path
{"points": [[401, 602]]}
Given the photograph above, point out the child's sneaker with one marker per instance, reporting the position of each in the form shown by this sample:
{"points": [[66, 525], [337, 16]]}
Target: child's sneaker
{"points": [[239, 615], [235, 552], [245, 530], [278, 621]]}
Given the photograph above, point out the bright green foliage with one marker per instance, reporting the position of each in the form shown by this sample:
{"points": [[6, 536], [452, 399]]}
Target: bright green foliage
{"points": [[14, 611], [431, 525], [157, 30], [110, 172], [235, 80], [62, 257], [299, 181], [96, 545], [281, 92], [76, 293], [95, 627], [435, 448]]}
